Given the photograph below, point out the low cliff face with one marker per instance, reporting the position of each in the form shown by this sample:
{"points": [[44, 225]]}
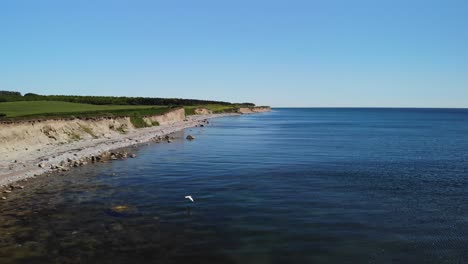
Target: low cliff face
{"points": [[251, 110], [171, 117], [34, 134], [202, 111]]}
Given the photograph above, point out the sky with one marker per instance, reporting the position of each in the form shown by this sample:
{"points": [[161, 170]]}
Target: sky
{"points": [[310, 53]]}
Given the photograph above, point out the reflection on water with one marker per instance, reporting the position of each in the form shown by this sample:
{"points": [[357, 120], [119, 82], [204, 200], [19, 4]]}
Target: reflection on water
{"points": [[292, 186]]}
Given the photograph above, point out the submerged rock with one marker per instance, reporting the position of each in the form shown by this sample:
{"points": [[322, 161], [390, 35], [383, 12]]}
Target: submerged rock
{"points": [[190, 137], [122, 210]]}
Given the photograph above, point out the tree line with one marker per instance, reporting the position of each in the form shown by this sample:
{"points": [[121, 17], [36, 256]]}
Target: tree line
{"points": [[9, 93], [10, 96]]}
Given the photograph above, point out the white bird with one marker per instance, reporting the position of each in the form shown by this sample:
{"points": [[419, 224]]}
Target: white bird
{"points": [[190, 198]]}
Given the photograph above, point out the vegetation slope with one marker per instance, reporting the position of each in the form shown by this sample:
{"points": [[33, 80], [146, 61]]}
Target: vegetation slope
{"points": [[14, 106]]}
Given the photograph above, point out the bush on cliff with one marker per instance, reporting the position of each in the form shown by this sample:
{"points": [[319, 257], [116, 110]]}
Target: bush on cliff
{"points": [[137, 121]]}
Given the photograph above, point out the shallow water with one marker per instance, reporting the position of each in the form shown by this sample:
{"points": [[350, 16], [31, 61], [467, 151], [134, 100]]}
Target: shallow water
{"points": [[290, 186]]}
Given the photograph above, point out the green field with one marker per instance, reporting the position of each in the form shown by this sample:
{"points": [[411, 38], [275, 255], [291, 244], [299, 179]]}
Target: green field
{"points": [[15, 106], [48, 108], [21, 110]]}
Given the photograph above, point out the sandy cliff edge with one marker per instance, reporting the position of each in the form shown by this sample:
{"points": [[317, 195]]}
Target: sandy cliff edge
{"points": [[255, 109], [32, 148]]}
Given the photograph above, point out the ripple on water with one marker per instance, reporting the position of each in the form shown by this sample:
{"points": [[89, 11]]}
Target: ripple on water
{"points": [[291, 186]]}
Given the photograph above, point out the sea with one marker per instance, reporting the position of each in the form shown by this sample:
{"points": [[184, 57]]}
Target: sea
{"points": [[295, 185]]}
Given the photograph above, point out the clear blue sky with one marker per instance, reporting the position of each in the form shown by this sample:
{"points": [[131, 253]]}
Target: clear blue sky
{"points": [[281, 53]]}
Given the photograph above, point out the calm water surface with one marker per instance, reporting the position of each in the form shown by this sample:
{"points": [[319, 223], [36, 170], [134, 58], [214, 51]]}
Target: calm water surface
{"points": [[290, 186]]}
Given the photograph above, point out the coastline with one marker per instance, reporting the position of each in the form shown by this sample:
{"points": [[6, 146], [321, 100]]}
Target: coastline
{"points": [[24, 164]]}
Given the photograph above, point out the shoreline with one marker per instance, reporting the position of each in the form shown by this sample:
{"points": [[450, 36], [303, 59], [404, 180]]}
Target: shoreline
{"points": [[22, 165]]}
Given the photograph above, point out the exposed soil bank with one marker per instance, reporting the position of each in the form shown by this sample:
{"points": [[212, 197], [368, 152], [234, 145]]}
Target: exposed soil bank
{"points": [[17, 137], [28, 149]]}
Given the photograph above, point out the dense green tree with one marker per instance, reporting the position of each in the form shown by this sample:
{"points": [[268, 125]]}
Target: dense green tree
{"points": [[9, 93]]}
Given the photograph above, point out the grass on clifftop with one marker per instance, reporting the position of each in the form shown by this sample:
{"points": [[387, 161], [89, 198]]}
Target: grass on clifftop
{"points": [[25, 108], [49, 109]]}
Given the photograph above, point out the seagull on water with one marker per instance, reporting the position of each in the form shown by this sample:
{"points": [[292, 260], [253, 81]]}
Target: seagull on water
{"points": [[190, 198]]}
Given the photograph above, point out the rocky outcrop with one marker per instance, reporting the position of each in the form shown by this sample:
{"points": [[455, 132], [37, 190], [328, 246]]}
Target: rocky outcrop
{"points": [[256, 109]]}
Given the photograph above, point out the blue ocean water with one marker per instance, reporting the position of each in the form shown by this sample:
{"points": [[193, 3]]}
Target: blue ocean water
{"points": [[318, 185]]}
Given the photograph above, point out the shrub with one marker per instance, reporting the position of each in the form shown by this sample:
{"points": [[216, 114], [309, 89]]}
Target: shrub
{"points": [[137, 121], [122, 129], [189, 111], [2, 115], [246, 104], [88, 130], [10, 93]]}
